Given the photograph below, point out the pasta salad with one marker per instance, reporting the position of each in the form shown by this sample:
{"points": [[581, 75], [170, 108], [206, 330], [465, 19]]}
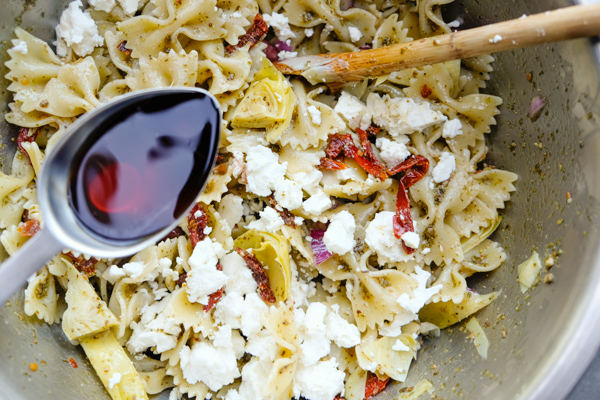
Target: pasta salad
{"points": [[336, 231]]}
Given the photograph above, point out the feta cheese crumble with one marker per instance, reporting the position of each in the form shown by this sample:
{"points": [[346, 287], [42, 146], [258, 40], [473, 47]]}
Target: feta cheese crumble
{"points": [[114, 380], [20, 46], [315, 115], [339, 236], [204, 279], [444, 168], [351, 109], [309, 32], [452, 128], [103, 5], [402, 115], [269, 221], [421, 294], [411, 239], [284, 55], [213, 366], [280, 24], [322, 381], [355, 34], [78, 31], [496, 39], [379, 235], [393, 152], [317, 203], [400, 346]]}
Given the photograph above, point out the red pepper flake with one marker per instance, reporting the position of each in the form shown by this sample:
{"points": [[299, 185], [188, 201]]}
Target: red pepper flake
{"points": [[426, 91], [374, 385], [25, 135], [72, 362], [253, 35], [259, 275], [29, 228], [216, 296], [284, 213], [197, 224], [87, 266], [175, 233], [121, 47], [415, 168]]}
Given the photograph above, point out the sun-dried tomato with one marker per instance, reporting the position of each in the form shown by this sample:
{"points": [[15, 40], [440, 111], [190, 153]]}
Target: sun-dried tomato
{"points": [[374, 385], [175, 233], [197, 222], [29, 228], [369, 161], [284, 213], [337, 145], [216, 296], [253, 35], [259, 275], [25, 135], [331, 164], [426, 91], [121, 47], [86, 266], [415, 168], [338, 397], [372, 131]]}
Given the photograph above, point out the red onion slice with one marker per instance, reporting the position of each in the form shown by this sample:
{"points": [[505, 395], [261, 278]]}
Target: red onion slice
{"points": [[283, 46], [271, 52], [536, 107], [318, 247]]}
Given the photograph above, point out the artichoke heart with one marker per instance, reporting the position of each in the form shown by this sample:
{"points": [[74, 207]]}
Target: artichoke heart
{"points": [[444, 314], [268, 103], [86, 314], [272, 251]]}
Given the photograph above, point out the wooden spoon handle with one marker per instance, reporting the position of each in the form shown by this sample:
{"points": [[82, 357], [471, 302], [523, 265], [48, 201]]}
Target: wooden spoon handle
{"points": [[552, 26]]}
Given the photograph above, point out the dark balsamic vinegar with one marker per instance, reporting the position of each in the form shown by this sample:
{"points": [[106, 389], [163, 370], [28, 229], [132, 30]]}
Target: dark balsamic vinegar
{"points": [[145, 166]]}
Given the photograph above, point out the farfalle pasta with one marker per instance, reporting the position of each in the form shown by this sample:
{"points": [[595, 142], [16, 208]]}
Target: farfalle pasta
{"points": [[337, 229]]}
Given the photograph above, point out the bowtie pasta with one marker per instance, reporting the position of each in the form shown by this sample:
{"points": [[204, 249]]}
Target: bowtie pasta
{"points": [[336, 231]]}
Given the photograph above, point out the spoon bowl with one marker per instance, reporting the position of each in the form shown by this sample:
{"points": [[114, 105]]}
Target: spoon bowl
{"points": [[62, 226]]}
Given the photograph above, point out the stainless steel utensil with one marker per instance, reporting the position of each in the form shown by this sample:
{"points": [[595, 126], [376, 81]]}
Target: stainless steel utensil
{"points": [[62, 229]]}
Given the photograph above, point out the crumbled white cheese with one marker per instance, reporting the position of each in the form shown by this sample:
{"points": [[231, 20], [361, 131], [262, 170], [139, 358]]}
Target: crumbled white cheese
{"points": [[269, 221], [454, 24], [402, 115], [444, 168], [339, 236], [380, 237], [496, 39], [317, 203], [284, 55], [238, 164], [20, 46], [393, 152], [134, 269], [103, 5], [355, 34], [239, 276], [266, 174], [322, 381], [241, 313], [316, 345], [280, 24], [114, 380], [160, 333], [131, 6], [254, 380], [452, 128], [426, 250], [315, 115], [77, 30], [421, 294], [308, 181], [400, 346], [204, 278], [213, 366], [309, 32], [411, 239], [351, 108], [263, 346], [207, 230], [236, 14], [341, 332], [113, 274], [231, 209]]}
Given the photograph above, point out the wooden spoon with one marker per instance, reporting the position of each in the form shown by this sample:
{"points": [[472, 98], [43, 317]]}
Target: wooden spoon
{"points": [[551, 26]]}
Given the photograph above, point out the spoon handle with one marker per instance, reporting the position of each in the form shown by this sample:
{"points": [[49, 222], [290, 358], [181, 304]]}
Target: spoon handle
{"points": [[552, 26], [32, 256]]}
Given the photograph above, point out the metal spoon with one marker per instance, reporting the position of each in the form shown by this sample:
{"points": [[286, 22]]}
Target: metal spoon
{"points": [[62, 228]]}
